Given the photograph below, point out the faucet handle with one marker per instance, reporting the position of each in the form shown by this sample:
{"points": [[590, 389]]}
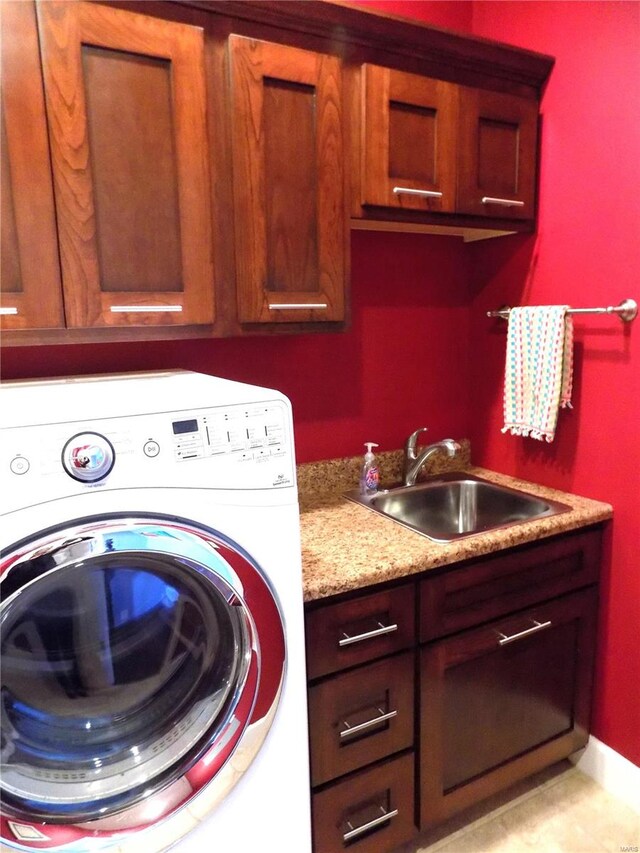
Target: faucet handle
{"points": [[410, 445]]}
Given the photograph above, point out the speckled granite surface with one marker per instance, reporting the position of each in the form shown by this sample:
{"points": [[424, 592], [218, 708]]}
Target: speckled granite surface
{"points": [[346, 546]]}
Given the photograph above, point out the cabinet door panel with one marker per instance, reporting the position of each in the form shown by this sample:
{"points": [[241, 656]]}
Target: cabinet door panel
{"points": [[408, 140], [288, 183], [505, 700], [126, 101], [498, 154], [31, 287]]}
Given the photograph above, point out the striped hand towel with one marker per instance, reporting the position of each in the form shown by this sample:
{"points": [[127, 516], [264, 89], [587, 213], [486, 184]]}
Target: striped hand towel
{"points": [[538, 373]]}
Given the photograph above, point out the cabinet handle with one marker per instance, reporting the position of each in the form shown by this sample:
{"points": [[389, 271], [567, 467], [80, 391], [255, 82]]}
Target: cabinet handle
{"points": [[143, 309], [352, 730], [537, 626], [368, 635], [505, 202], [8, 310], [295, 306], [422, 193], [354, 832]]}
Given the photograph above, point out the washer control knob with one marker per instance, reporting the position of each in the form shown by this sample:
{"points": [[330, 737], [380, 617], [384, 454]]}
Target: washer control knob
{"points": [[88, 457], [19, 465]]}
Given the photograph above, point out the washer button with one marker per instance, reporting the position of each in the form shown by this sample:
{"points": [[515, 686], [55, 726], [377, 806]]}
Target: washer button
{"points": [[151, 448], [19, 465]]}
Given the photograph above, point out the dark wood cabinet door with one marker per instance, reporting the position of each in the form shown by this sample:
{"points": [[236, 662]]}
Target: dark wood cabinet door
{"points": [[29, 267], [127, 120], [408, 140], [503, 701], [289, 192], [497, 160]]}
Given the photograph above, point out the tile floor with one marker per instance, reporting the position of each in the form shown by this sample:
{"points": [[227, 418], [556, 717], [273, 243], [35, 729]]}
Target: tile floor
{"points": [[559, 811]]}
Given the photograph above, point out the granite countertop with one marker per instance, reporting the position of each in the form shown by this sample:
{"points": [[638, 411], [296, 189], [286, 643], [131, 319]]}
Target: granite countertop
{"points": [[346, 546]]}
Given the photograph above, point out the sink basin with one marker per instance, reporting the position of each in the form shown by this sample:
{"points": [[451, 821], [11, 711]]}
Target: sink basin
{"points": [[457, 505]]}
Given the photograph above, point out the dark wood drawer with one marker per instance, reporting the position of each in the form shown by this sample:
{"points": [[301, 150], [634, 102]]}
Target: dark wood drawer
{"points": [[495, 586], [359, 630], [351, 814], [361, 716]]}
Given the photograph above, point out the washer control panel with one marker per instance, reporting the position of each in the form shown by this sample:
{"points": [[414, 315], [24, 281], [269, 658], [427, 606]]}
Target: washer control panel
{"points": [[248, 433], [238, 447]]}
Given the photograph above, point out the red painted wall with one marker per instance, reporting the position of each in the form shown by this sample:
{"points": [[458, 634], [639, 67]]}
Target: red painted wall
{"points": [[456, 15], [421, 352], [586, 253]]}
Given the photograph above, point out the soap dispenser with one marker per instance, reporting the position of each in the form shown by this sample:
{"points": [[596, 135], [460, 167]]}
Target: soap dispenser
{"points": [[370, 475]]}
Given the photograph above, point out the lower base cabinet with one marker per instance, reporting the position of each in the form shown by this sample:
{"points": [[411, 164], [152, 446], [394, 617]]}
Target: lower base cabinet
{"points": [[428, 695]]}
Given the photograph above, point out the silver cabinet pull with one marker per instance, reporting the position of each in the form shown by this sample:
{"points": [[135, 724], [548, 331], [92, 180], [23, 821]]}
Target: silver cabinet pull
{"points": [[8, 310], [505, 202], [144, 309], [368, 635], [354, 832], [421, 193], [537, 626], [295, 306], [353, 730]]}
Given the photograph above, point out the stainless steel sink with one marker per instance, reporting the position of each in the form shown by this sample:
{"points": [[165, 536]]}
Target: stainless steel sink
{"points": [[457, 505]]}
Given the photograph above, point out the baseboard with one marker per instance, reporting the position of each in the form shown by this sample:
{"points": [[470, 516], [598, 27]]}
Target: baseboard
{"points": [[611, 770]]}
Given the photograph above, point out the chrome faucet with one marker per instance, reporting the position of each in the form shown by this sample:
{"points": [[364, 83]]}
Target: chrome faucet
{"points": [[413, 461]]}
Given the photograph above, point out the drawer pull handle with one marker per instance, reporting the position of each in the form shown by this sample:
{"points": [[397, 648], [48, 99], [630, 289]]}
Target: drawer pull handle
{"points": [[353, 730], [537, 626], [354, 832], [421, 193], [505, 202], [8, 310], [368, 635]]}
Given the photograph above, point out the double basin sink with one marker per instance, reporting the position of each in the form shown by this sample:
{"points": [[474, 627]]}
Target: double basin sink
{"points": [[454, 506]]}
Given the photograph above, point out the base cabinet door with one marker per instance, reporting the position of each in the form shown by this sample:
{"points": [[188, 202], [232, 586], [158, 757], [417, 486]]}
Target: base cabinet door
{"points": [[503, 701], [126, 106]]}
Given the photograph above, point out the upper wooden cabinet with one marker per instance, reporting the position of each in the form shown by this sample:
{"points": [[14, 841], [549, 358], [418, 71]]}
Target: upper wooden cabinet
{"points": [[126, 108], [168, 172], [497, 158], [408, 140], [437, 147], [289, 191], [29, 268]]}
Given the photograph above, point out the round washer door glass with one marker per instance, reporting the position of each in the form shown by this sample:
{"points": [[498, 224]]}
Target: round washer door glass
{"points": [[131, 660]]}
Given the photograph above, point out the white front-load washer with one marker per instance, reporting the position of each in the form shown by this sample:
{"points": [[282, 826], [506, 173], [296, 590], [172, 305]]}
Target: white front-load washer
{"points": [[153, 677]]}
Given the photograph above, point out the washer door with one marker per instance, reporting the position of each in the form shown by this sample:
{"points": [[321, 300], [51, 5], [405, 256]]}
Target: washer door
{"points": [[134, 663]]}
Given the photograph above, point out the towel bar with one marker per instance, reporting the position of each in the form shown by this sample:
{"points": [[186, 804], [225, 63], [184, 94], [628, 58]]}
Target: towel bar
{"points": [[627, 311]]}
